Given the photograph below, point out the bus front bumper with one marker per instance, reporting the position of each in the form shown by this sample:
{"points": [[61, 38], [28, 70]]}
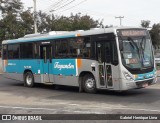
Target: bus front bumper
{"points": [[127, 85]]}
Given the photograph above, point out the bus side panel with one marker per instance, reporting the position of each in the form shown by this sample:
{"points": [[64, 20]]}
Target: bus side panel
{"points": [[64, 71], [88, 66], [65, 67], [92, 66], [11, 68], [66, 80], [115, 78], [16, 68], [14, 76], [67, 71], [33, 66]]}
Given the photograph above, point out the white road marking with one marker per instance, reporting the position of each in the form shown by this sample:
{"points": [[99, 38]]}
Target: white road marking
{"points": [[49, 109], [74, 104], [27, 108]]}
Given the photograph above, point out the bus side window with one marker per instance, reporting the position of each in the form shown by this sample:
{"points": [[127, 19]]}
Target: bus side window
{"points": [[62, 50], [13, 51], [73, 48], [86, 47], [26, 50], [5, 48], [114, 54]]}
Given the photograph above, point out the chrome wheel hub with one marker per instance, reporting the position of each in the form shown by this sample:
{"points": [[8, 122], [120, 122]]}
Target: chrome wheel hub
{"points": [[90, 83], [29, 79]]}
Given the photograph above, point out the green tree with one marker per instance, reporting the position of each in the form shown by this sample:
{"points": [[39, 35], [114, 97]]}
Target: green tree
{"points": [[83, 22], [10, 6], [145, 23], [44, 22], [11, 19], [27, 22], [64, 23], [155, 34], [16, 22], [2, 31]]}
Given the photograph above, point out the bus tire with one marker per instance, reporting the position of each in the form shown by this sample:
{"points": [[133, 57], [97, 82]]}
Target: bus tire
{"points": [[29, 79], [89, 84]]}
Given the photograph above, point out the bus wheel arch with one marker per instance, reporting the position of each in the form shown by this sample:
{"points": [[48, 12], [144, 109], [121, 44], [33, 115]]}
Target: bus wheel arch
{"points": [[87, 82], [28, 78]]}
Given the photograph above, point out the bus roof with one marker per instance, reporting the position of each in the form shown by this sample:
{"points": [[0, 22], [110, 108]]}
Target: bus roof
{"points": [[62, 34]]}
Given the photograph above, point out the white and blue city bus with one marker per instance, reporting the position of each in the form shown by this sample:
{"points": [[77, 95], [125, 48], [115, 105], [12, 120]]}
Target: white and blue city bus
{"points": [[112, 58]]}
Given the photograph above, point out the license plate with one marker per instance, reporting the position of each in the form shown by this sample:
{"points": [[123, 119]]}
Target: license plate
{"points": [[145, 85]]}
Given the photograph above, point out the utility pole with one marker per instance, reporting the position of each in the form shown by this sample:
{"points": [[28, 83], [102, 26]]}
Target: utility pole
{"points": [[120, 18], [35, 17]]}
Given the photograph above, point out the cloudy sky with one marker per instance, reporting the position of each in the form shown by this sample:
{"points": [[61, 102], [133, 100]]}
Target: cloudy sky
{"points": [[133, 10]]}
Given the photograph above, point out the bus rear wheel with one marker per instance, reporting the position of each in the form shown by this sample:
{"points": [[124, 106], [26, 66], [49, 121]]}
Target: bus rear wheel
{"points": [[28, 79], [89, 84]]}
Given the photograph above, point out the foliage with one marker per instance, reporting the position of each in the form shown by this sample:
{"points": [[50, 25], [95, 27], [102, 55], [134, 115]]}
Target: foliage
{"points": [[63, 23], [11, 20], [155, 34], [145, 23], [16, 22]]}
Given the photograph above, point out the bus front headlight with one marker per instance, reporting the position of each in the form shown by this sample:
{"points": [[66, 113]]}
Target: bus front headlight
{"points": [[127, 76]]}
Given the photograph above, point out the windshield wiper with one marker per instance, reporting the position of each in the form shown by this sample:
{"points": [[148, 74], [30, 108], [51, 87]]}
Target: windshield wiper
{"points": [[142, 43], [133, 43]]}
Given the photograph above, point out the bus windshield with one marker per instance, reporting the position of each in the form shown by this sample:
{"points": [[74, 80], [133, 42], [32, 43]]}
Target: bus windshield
{"points": [[136, 51]]}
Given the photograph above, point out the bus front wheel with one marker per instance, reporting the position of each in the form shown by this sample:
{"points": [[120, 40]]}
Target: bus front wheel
{"points": [[89, 84], [28, 79]]}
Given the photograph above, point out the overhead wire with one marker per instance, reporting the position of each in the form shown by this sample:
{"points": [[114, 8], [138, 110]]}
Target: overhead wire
{"points": [[59, 5], [73, 6], [64, 5]]}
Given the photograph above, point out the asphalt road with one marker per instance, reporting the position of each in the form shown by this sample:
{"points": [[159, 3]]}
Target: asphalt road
{"points": [[43, 99]]}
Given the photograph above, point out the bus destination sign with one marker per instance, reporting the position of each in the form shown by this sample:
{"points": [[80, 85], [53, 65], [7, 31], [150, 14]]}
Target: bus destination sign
{"points": [[133, 32]]}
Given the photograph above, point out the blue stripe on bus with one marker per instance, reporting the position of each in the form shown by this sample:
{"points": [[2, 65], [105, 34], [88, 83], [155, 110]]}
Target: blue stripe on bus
{"points": [[145, 75], [18, 66], [37, 39], [65, 67]]}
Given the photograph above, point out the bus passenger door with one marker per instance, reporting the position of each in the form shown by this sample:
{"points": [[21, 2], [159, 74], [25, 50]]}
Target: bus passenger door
{"points": [[46, 56], [104, 56]]}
